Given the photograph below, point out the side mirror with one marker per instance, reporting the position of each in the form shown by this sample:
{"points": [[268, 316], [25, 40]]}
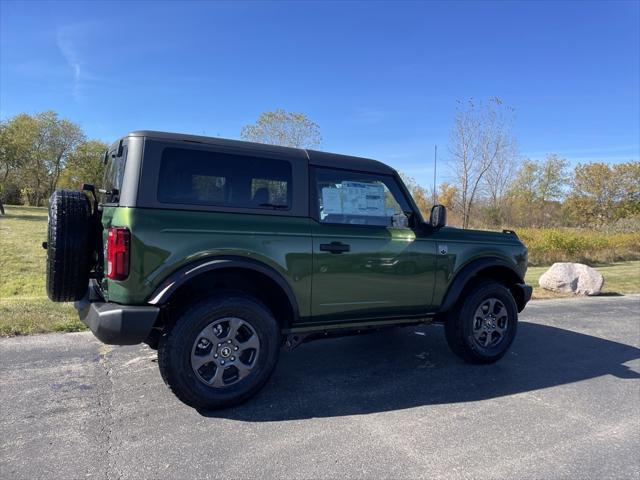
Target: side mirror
{"points": [[438, 217]]}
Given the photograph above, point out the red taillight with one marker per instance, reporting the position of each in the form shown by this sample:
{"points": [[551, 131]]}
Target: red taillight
{"points": [[118, 242]]}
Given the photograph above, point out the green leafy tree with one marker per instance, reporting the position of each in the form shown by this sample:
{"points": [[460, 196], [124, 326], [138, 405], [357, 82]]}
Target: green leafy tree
{"points": [[627, 176], [42, 144], [58, 139], [535, 194], [288, 129], [552, 179], [37, 151], [84, 165], [525, 185], [17, 138], [602, 193]]}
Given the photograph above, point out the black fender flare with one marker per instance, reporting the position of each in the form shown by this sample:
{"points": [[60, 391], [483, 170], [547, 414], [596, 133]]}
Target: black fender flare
{"points": [[470, 270], [187, 273]]}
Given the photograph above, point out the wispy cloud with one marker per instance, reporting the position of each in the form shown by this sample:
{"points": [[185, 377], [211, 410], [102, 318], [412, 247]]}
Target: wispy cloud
{"points": [[69, 39]]}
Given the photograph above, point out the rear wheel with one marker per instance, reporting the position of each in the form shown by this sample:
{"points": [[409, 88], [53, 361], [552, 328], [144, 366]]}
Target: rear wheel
{"points": [[68, 245], [484, 325], [220, 352]]}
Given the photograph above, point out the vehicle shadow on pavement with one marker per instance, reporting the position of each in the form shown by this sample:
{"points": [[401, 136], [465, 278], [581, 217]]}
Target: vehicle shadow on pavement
{"points": [[410, 367]]}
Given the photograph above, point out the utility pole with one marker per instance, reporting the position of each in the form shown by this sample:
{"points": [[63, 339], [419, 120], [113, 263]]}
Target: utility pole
{"points": [[435, 166]]}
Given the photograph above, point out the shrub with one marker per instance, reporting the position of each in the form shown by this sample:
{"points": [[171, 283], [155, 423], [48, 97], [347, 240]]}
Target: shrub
{"points": [[547, 246], [624, 225]]}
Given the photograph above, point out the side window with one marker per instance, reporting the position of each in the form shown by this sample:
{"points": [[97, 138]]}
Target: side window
{"points": [[200, 177], [209, 188], [359, 199], [113, 177], [277, 190]]}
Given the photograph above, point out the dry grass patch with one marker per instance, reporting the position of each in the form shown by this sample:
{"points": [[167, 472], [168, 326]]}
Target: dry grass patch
{"points": [[547, 246]]}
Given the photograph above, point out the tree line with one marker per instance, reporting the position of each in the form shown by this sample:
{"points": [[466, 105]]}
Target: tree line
{"points": [[42, 152], [546, 193], [490, 185]]}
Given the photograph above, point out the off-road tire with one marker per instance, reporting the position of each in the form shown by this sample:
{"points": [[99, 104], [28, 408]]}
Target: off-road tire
{"points": [[68, 246], [459, 326], [175, 348]]}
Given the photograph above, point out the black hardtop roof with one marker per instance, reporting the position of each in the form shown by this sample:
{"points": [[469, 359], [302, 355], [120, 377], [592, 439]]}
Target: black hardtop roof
{"points": [[313, 157]]}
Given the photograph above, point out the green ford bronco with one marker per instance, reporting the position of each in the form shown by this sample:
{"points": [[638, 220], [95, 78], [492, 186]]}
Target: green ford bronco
{"points": [[218, 253]]}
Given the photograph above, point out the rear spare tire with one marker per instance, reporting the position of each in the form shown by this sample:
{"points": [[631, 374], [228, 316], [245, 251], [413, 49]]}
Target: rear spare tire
{"points": [[68, 250]]}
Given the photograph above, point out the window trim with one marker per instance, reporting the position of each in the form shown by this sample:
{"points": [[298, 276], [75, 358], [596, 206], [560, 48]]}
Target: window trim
{"points": [[112, 154], [219, 205], [314, 200], [148, 160]]}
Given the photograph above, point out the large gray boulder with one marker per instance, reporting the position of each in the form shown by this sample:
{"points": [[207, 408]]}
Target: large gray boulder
{"points": [[573, 278]]}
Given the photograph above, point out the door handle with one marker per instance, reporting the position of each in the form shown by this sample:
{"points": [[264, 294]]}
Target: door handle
{"points": [[335, 247]]}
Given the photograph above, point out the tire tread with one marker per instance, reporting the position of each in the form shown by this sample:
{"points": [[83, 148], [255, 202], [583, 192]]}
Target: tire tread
{"points": [[454, 326], [67, 270], [175, 332]]}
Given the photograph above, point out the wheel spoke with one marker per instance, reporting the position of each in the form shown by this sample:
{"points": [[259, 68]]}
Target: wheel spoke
{"points": [[243, 369], [477, 334], [208, 335], [253, 343], [198, 361], [490, 322], [234, 326], [226, 342], [216, 380], [492, 305]]}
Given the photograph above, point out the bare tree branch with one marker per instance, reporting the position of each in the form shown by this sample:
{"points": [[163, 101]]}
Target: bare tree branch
{"points": [[480, 141]]}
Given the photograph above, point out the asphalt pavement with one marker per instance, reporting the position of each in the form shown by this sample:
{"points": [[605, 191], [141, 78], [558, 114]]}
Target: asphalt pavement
{"points": [[564, 403]]}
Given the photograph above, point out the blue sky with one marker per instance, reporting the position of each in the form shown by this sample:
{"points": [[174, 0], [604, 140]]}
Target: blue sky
{"points": [[381, 79]]}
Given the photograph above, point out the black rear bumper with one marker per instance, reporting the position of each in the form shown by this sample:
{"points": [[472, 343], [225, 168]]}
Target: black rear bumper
{"points": [[116, 324]]}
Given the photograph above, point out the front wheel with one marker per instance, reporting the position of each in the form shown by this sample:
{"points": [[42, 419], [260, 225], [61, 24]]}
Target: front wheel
{"points": [[220, 352], [484, 325]]}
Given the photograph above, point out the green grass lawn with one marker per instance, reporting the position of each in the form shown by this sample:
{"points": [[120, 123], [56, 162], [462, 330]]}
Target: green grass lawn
{"points": [[619, 278], [25, 308]]}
